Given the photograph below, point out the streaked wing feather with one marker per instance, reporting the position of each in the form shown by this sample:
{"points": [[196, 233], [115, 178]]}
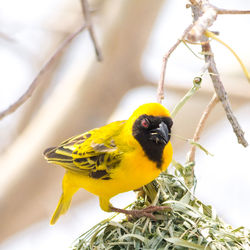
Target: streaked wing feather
{"points": [[93, 153]]}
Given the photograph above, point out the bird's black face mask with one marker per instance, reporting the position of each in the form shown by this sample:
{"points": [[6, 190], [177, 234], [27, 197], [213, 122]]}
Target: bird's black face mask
{"points": [[153, 133]]}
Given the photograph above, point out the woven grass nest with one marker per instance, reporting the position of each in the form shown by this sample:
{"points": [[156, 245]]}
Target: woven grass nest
{"points": [[189, 224]]}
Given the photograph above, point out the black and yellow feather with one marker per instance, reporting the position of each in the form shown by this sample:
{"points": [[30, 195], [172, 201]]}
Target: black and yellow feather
{"points": [[93, 153], [115, 158]]}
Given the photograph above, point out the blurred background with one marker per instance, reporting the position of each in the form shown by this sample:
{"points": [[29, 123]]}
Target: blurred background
{"points": [[78, 93]]}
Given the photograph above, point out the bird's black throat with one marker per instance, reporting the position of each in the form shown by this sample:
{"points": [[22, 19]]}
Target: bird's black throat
{"points": [[152, 149]]}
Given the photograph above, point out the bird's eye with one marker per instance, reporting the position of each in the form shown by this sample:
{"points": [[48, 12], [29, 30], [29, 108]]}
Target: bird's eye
{"points": [[145, 123]]}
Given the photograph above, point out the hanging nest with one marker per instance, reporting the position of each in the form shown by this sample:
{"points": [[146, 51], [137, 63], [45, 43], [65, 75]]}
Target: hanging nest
{"points": [[188, 225]]}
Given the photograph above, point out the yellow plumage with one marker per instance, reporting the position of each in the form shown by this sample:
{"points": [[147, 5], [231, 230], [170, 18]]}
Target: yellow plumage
{"points": [[116, 158]]}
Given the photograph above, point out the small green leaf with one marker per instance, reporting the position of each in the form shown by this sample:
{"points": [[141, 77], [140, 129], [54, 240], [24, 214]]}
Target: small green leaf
{"points": [[137, 236], [185, 243], [200, 147]]}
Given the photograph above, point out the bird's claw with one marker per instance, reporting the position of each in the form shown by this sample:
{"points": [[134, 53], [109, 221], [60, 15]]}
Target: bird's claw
{"points": [[138, 213]]}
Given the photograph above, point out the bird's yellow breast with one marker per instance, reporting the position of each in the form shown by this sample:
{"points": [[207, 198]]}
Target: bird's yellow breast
{"points": [[134, 171]]}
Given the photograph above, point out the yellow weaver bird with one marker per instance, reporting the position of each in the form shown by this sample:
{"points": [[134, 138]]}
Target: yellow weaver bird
{"points": [[116, 158]]}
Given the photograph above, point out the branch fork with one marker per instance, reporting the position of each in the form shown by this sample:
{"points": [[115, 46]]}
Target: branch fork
{"points": [[38, 79], [205, 15]]}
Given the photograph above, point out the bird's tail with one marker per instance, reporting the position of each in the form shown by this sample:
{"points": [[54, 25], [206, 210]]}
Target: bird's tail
{"points": [[62, 207], [65, 200]]}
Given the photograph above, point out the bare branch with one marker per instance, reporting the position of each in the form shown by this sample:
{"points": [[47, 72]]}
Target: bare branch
{"points": [[205, 20], [86, 12], [194, 2], [13, 107], [160, 90], [200, 126], [223, 11], [204, 16], [221, 93], [202, 21]]}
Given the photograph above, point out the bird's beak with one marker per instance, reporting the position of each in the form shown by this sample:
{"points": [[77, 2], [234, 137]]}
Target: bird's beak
{"points": [[162, 133]]}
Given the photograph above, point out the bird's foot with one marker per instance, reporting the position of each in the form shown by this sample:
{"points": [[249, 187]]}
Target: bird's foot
{"points": [[138, 213]]}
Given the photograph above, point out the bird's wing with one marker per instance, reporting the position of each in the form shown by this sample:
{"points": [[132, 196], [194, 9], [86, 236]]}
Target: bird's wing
{"points": [[94, 153]]}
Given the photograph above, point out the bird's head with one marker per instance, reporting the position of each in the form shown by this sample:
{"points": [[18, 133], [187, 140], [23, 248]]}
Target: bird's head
{"points": [[151, 126], [152, 130]]}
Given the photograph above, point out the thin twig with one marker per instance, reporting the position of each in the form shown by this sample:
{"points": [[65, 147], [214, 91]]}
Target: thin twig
{"points": [[202, 21], [195, 43], [204, 16], [200, 126], [224, 11], [221, 93], [189, 48], [88, 22], [13, 107], [160, 90]]}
